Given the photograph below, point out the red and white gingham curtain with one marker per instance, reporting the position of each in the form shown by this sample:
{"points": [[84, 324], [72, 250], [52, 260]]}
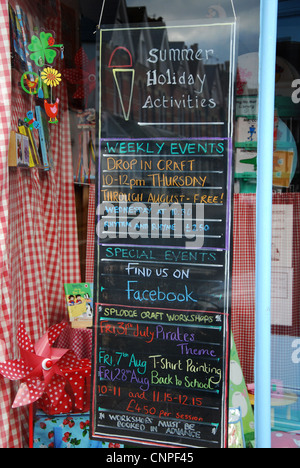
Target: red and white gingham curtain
{"points": [[90, 246], [8, 423], [38, 231]]}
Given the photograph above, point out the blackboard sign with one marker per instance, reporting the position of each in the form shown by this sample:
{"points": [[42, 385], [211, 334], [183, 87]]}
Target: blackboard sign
{"points": [[163, 231]]}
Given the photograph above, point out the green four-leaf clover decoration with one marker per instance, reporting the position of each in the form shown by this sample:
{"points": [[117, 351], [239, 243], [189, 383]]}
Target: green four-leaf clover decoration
{"points": [[42, 49]]}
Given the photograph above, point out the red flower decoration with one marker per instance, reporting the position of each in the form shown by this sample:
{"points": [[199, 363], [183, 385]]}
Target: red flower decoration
{"points": [[84, 75]]}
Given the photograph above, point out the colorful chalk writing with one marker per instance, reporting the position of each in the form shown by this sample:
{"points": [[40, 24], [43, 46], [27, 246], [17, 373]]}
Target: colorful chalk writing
{"points": [[164, 367], [163, 240], [142, 177]]}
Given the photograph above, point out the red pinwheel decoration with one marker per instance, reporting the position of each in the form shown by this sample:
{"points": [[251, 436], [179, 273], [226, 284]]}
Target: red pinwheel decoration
{"points": [[44, 371], [84, 75]]}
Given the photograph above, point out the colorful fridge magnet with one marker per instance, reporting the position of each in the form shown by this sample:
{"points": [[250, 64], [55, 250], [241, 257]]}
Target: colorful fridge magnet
{"points": [[52, 111], [43, 49], [51, 77], [31, 121], [30, 82], [43, 52]]}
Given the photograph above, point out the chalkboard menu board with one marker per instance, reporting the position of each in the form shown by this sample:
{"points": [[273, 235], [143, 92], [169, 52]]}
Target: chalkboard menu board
{"points": [[163, 231]]}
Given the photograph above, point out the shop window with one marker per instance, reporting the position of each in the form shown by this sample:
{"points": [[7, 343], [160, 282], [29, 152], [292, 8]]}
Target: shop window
{"points": [[52, 207]]}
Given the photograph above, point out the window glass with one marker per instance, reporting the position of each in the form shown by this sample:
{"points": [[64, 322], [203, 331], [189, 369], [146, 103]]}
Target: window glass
{"points": [[57, 206], [285, 250]]}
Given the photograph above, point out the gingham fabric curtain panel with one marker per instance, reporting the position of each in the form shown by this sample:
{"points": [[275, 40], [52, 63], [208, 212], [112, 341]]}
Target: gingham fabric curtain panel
{"points": [[38, 230]]}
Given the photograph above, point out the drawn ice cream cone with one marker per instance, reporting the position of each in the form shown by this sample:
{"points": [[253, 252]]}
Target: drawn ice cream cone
{"points": [[123, 70]]}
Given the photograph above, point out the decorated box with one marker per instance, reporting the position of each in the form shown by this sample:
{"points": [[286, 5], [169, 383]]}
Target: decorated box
{"points": [[65, 431]]}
